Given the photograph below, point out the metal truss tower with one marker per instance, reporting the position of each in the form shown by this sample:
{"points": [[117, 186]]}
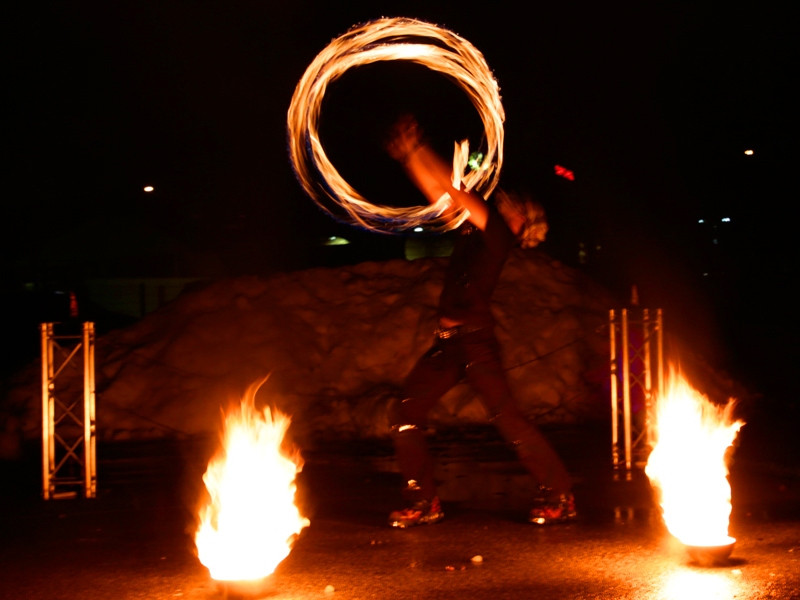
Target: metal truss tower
{"points": [[637, 378], [69, 461]]}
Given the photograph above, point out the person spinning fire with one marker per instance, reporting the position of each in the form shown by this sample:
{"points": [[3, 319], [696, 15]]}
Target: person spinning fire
{"points": [[465, 347]]}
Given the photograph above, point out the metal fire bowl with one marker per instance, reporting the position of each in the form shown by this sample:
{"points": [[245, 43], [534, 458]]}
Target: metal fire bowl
{"points": [[243, 590], [709, 556]]}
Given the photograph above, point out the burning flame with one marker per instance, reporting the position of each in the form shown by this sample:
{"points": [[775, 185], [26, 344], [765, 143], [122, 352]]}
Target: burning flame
{"points": [[250, 521], [688, 465], [390, 39]]}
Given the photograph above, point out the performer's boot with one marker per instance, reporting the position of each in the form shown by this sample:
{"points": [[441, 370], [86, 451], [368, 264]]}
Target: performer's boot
{"points": [[423, 506]]}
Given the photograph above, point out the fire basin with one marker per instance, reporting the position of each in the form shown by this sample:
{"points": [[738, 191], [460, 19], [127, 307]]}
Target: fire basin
{"points": [[710, 556], [244, 590]]}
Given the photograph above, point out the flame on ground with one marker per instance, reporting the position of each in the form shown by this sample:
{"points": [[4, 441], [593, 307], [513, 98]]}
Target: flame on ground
{"points": [[688, 465], [250, 521]]}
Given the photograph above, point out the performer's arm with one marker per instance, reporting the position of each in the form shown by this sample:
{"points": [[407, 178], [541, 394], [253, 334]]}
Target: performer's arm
{"points": [[430, 173]]}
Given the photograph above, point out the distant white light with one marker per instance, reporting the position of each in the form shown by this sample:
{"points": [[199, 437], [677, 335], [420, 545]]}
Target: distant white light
{"points": [[749, 152], [418, 229], [148, 188], [725, 219], [701, 221]]}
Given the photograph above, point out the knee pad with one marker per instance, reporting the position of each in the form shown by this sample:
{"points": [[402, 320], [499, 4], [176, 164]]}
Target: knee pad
{"points": [[404, 428], [399, 416]]}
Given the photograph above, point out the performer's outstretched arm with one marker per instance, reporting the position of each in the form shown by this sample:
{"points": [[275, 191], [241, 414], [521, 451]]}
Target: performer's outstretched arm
{"points": [[430, 173]]}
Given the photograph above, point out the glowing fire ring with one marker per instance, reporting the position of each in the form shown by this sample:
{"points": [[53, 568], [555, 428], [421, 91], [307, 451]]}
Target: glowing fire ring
{"points": [[384, 40]]}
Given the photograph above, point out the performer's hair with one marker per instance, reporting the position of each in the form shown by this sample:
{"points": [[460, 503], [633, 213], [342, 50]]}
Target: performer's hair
{"points": [[534, 230]]}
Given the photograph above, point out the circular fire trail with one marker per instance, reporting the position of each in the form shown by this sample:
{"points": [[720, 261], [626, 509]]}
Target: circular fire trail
{"points": [[391, 39]]}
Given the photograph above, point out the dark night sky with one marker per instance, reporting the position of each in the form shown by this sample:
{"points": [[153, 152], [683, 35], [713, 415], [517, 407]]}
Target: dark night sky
{"points": [[650, 104]]}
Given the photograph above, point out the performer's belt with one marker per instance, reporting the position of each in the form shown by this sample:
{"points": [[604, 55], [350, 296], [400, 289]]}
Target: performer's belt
{"points": [[445, 333]]}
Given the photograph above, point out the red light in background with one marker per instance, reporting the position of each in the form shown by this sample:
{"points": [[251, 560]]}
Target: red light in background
{"points": [[564, 172], [73, 305]]}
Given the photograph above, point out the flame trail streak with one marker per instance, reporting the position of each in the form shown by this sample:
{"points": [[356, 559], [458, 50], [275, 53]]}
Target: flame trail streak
{"points": [[384, 40]]}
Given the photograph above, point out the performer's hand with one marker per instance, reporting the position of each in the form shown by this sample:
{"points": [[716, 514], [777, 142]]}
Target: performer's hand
{"points": [[404, 138], [429, 172]]}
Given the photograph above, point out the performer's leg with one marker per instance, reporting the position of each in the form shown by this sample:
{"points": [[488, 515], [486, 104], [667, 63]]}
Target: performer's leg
{"points": [[433, 375], [485, 373]]}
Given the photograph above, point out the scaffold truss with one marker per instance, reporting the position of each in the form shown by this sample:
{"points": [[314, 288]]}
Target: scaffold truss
{"points": [[637, 376], [69, 462]]}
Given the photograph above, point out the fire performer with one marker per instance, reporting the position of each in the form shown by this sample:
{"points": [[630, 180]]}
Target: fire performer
{"points": [[465, 347]]}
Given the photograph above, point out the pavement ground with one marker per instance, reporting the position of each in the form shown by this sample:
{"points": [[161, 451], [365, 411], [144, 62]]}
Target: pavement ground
{"points": [[135, 540]]}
